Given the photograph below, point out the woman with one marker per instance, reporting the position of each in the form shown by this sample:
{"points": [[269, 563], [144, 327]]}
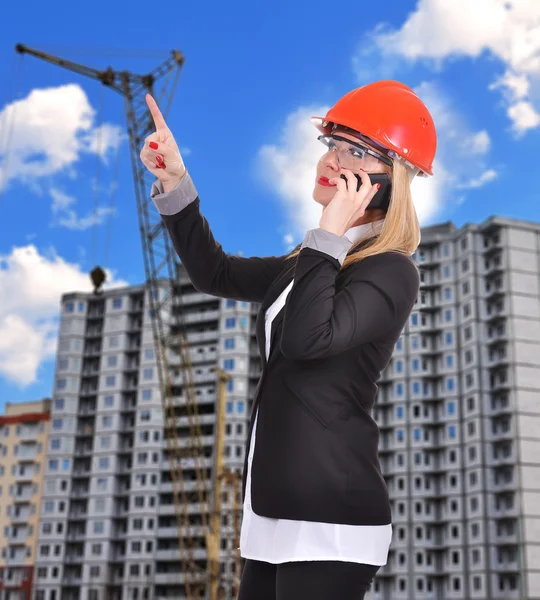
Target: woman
{"points": [[317, 520]]}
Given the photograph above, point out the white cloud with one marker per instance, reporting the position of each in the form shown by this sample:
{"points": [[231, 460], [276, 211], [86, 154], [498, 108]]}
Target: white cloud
{"points": [[478, 143], [31, 285], [461, 152], [289, 167], [524, 116], [51, 129], [478, 182], [65, 216], [438, 30]]}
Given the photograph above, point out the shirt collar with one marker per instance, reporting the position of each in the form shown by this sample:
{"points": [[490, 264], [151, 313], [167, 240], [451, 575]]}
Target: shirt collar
{"points": [[366, 230]]}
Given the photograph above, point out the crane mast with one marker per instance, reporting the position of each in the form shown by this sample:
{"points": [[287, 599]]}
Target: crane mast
{"points": [[172, 350]]}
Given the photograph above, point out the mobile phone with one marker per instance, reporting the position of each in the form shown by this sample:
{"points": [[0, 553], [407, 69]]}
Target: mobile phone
{"points": [[382, 197]]}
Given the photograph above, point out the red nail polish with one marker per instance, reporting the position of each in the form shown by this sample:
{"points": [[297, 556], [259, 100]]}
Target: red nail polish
{"points": [[378, 186], [153, 145]]}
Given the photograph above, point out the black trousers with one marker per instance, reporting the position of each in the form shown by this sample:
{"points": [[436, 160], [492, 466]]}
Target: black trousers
{"points": [[312, 580]]}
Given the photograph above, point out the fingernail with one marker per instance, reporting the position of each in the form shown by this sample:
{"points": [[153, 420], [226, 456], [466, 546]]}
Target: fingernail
{"points": [[378, 186], [153, 145]]}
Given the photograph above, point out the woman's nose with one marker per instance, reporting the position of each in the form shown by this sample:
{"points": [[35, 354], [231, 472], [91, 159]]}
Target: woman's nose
{"points": [[330, 159]]}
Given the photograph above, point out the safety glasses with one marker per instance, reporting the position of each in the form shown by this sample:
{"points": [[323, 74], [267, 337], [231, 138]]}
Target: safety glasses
{"points": [[351, 155]]}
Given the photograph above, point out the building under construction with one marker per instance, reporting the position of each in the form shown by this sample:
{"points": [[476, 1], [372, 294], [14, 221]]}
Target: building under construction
{"points": [[110, 517]]}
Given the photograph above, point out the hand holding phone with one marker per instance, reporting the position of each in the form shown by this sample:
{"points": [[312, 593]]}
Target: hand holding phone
{"points": [[382, 197]]}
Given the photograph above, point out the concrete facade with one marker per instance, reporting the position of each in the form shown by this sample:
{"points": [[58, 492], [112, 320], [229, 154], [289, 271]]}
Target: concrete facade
{"points": [[108, 527], [24, 430], [459, 411]]}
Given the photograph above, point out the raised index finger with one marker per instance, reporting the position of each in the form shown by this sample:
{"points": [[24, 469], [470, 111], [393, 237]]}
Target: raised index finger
{"points": [[159, 121]]}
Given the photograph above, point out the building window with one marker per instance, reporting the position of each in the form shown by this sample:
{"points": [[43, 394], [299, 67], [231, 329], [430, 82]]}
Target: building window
{"points": [[59, 404], [117, 302], [147, 394], [70, 307], [451, 431], [230, 303], [110, 380], [99, 527], [111, 361], [230, 322], [148, 373], [229, 343], [228, 364]]}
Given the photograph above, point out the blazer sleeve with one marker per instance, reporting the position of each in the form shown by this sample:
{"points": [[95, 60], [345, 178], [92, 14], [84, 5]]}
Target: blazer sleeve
{"points": [[209, 268], [320, 322]]}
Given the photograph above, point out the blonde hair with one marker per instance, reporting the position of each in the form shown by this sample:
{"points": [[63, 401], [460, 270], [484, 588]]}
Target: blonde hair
{"points": [[400, 231]]}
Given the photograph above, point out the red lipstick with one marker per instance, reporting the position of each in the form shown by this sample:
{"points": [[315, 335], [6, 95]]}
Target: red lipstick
{"points": [[324, 181]]}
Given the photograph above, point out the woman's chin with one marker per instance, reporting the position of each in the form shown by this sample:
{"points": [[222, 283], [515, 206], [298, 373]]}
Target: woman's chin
{"points": [[320, 196]]}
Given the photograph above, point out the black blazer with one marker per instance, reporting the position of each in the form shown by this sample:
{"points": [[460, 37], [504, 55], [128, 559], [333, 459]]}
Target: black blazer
{"points": [[316, 456]]}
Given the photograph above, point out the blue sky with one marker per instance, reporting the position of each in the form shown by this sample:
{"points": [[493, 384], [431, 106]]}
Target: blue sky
{"points": [[252, 78]]}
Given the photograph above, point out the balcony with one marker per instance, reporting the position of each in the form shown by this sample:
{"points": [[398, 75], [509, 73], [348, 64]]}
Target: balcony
{"points": [[23, 495], [21, 515], [28, 434], [18, 537]]}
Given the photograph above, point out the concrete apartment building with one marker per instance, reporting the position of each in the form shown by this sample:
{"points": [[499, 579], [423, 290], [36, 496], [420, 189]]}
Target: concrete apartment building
{"points": [[108, 526], [24, 429], [459, 412], [458, 408]]}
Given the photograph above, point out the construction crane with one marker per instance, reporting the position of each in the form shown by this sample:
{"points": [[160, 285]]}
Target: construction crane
{"points": [[162, 268]]}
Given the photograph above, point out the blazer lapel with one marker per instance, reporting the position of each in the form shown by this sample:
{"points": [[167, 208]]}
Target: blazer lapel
{"points": [[278, 285]]}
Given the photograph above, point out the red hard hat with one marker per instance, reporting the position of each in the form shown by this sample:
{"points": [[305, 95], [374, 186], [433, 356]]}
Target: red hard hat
{"points": [[390, 114]]}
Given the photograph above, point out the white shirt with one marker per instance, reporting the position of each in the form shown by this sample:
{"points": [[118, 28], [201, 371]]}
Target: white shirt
{"points": [[284, 540]]}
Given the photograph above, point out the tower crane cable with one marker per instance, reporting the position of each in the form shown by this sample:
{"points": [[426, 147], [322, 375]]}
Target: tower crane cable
{"points": [[16, 80], [113, 192], [161, 268], [96, 183]]}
